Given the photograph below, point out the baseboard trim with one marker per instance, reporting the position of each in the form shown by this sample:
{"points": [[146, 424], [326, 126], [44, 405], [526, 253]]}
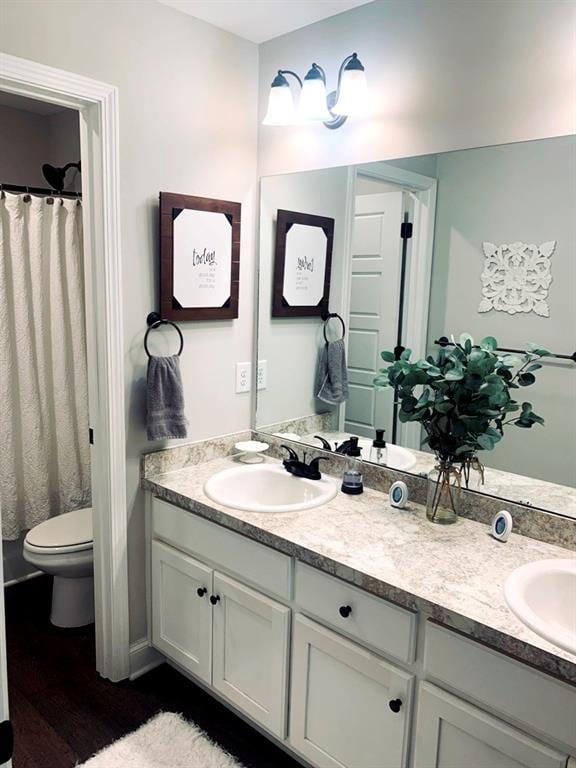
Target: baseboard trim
{"points": [[143, 658]]}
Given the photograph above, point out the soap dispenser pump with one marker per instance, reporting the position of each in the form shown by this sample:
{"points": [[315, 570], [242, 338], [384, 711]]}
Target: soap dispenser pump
{"points": [[352, 479], [379, 450]]}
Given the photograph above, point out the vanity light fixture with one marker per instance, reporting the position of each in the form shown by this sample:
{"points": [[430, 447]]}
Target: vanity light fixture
{"points": [[316, 105]]}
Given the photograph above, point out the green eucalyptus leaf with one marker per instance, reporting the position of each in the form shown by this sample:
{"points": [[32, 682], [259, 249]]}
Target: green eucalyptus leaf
{"points": [[485, 442], [388, 357], [526, 379], [406, 354], [489, 343]]}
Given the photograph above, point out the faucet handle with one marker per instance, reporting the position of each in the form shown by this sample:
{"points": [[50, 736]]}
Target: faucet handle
{"points": [[314, 468], [292, 455], [325, 444]]}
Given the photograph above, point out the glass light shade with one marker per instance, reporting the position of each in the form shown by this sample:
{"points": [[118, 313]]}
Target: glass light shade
{"points": [[353, 93], [280, 106], [313, 101]]}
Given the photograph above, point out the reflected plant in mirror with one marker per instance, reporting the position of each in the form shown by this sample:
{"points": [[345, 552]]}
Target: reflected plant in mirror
{"points": [[463, 399], [418, 244]]}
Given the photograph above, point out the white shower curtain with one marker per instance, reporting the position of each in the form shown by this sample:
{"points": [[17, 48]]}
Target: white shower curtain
{"points": [[44, 446]]}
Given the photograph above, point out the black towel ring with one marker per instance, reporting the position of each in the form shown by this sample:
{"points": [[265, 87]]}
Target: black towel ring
{"points": [[155, 321], [327, 316]]}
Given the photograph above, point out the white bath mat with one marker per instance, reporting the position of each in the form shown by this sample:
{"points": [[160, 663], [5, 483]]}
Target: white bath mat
{"points": [[166, 741]]}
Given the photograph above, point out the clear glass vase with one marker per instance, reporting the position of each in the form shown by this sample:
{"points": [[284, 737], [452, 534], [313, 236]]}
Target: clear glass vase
{"points": [[444, 490], [472, 473]]}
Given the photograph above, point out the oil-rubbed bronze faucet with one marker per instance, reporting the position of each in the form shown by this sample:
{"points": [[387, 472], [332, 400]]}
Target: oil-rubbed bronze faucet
{"points": [[299, 468]]}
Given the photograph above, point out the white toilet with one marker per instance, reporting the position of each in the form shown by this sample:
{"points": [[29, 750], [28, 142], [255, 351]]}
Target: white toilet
{"points": [[63, 546]]}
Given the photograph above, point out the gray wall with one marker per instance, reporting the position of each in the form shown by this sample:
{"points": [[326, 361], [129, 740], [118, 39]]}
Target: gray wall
{"points": [[187, 124], [290, 345], [522, 192], [443, 75], [28, 140]]}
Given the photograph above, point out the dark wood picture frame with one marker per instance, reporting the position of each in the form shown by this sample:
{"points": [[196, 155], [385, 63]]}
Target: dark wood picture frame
{"points": [[285, 220], [169, 306]]}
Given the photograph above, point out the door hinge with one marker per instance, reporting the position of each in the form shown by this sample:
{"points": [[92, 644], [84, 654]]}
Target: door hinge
{"points": [[406, 230], [6, 741], [91, 436]]}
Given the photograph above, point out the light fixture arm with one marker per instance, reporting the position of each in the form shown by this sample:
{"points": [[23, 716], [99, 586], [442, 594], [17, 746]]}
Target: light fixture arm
{"points": [[332, 98], [283, 72]]}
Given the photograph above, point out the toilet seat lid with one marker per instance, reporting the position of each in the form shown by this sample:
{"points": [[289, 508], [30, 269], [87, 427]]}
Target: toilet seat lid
{"points": [[72, 529]]}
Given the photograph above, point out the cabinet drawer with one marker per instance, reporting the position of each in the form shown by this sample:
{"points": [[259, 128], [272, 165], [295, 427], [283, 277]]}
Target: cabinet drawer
{"points": [[256, 563], [369, 619], [526, 696]]}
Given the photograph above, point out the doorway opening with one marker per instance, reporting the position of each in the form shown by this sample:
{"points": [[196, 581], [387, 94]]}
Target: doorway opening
{"points": [[95, 107]]}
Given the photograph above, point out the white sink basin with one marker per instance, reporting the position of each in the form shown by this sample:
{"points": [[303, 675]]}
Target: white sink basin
{"points": [[543, 596], [267, 488]]}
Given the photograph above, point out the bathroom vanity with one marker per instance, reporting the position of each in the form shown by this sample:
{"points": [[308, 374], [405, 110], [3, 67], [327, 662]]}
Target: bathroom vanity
{"points": [[356, 635]]}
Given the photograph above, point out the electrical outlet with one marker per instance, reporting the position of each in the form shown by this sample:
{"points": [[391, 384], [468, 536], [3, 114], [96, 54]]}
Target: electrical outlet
{"points": [[243, 376], [261, 374]]}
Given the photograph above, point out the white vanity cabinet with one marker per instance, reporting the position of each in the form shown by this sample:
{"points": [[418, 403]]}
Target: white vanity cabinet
{"points": [[348, 707], [181, 609], [222, 606], [250, 652], [450, 733], [227, 634]]}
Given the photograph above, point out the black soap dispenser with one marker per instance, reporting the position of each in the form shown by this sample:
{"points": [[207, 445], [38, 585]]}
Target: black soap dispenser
{"points": [[352, 479], [379, 450]]}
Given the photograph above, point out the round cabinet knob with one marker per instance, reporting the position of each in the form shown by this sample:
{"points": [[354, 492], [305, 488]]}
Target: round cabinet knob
{"points": [[345, 611], [395, 705], [214, 599], [201, 591]]}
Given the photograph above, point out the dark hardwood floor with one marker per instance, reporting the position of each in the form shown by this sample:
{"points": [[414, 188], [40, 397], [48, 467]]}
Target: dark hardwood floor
{"points": [[63, 711]]}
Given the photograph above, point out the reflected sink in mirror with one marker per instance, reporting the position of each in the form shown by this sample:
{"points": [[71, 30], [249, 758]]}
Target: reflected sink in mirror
{"points": [[543, 596], [268, 488], [397, 457]]}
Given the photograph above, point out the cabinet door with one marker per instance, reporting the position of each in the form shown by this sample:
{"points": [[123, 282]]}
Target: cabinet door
{"points": [[250, 658], [181, 610], [451, 733], [348, 707]]}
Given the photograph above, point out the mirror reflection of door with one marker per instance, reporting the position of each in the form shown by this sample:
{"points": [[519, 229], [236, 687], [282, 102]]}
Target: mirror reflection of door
{"points": [[376, 262]]}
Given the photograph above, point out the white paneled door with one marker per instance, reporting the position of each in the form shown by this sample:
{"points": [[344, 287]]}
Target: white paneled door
{"points": [[450, 733], [374, 305], [349, 708], [181, 609], [251, 652]]}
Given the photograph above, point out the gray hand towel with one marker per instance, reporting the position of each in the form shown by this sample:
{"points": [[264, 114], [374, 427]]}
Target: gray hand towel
{"points": [[165, 399], [332, 374]]}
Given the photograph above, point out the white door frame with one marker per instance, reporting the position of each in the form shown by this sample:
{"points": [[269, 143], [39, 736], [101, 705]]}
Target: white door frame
{"points": [[3, 676], [97, 104], [417, 298]]}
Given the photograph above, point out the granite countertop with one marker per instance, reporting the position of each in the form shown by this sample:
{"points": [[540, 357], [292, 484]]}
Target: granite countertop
{"points": [[453, 574]]}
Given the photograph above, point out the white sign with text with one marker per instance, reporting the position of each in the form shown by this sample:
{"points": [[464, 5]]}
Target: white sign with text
{"points": [[304, 265], [202, 258]]}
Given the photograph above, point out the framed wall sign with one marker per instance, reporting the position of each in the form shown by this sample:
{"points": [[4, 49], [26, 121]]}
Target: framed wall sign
{"points": [[199, 258], [302, 263]]}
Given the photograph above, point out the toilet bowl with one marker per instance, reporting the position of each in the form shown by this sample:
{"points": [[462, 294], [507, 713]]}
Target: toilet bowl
{"points": [[63, 547]]}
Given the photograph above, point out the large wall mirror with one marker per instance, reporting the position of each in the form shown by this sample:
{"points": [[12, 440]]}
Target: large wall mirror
{"points": [[425, 249]]}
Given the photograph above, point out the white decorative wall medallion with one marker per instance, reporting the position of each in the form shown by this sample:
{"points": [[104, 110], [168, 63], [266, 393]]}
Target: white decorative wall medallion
{"points": [[516, 278]]}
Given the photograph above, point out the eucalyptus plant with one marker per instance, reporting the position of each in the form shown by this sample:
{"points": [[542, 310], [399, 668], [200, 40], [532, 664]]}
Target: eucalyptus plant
{"points": [[464, 396]]}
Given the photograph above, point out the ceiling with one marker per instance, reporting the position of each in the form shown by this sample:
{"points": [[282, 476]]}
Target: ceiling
{"points": [[16, 101], [261, 20]]}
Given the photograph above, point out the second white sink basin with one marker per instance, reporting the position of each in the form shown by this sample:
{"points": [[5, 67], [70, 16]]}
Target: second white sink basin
{"points": [[543, 596], [267, 488]]}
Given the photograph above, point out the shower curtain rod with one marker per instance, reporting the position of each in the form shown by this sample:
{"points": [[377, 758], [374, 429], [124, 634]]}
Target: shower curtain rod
{"points": [[38, 191]]}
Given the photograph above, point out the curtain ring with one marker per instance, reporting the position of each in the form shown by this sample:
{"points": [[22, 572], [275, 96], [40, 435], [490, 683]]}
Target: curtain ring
{"points": [[27, 198]]}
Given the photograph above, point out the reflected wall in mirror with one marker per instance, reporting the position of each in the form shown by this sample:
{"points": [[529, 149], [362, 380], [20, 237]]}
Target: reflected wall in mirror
{"points": [[419, 246]]}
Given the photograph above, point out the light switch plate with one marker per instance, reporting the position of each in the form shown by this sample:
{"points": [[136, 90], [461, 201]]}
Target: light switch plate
{"points": [[262, 374], [243, 376]]}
